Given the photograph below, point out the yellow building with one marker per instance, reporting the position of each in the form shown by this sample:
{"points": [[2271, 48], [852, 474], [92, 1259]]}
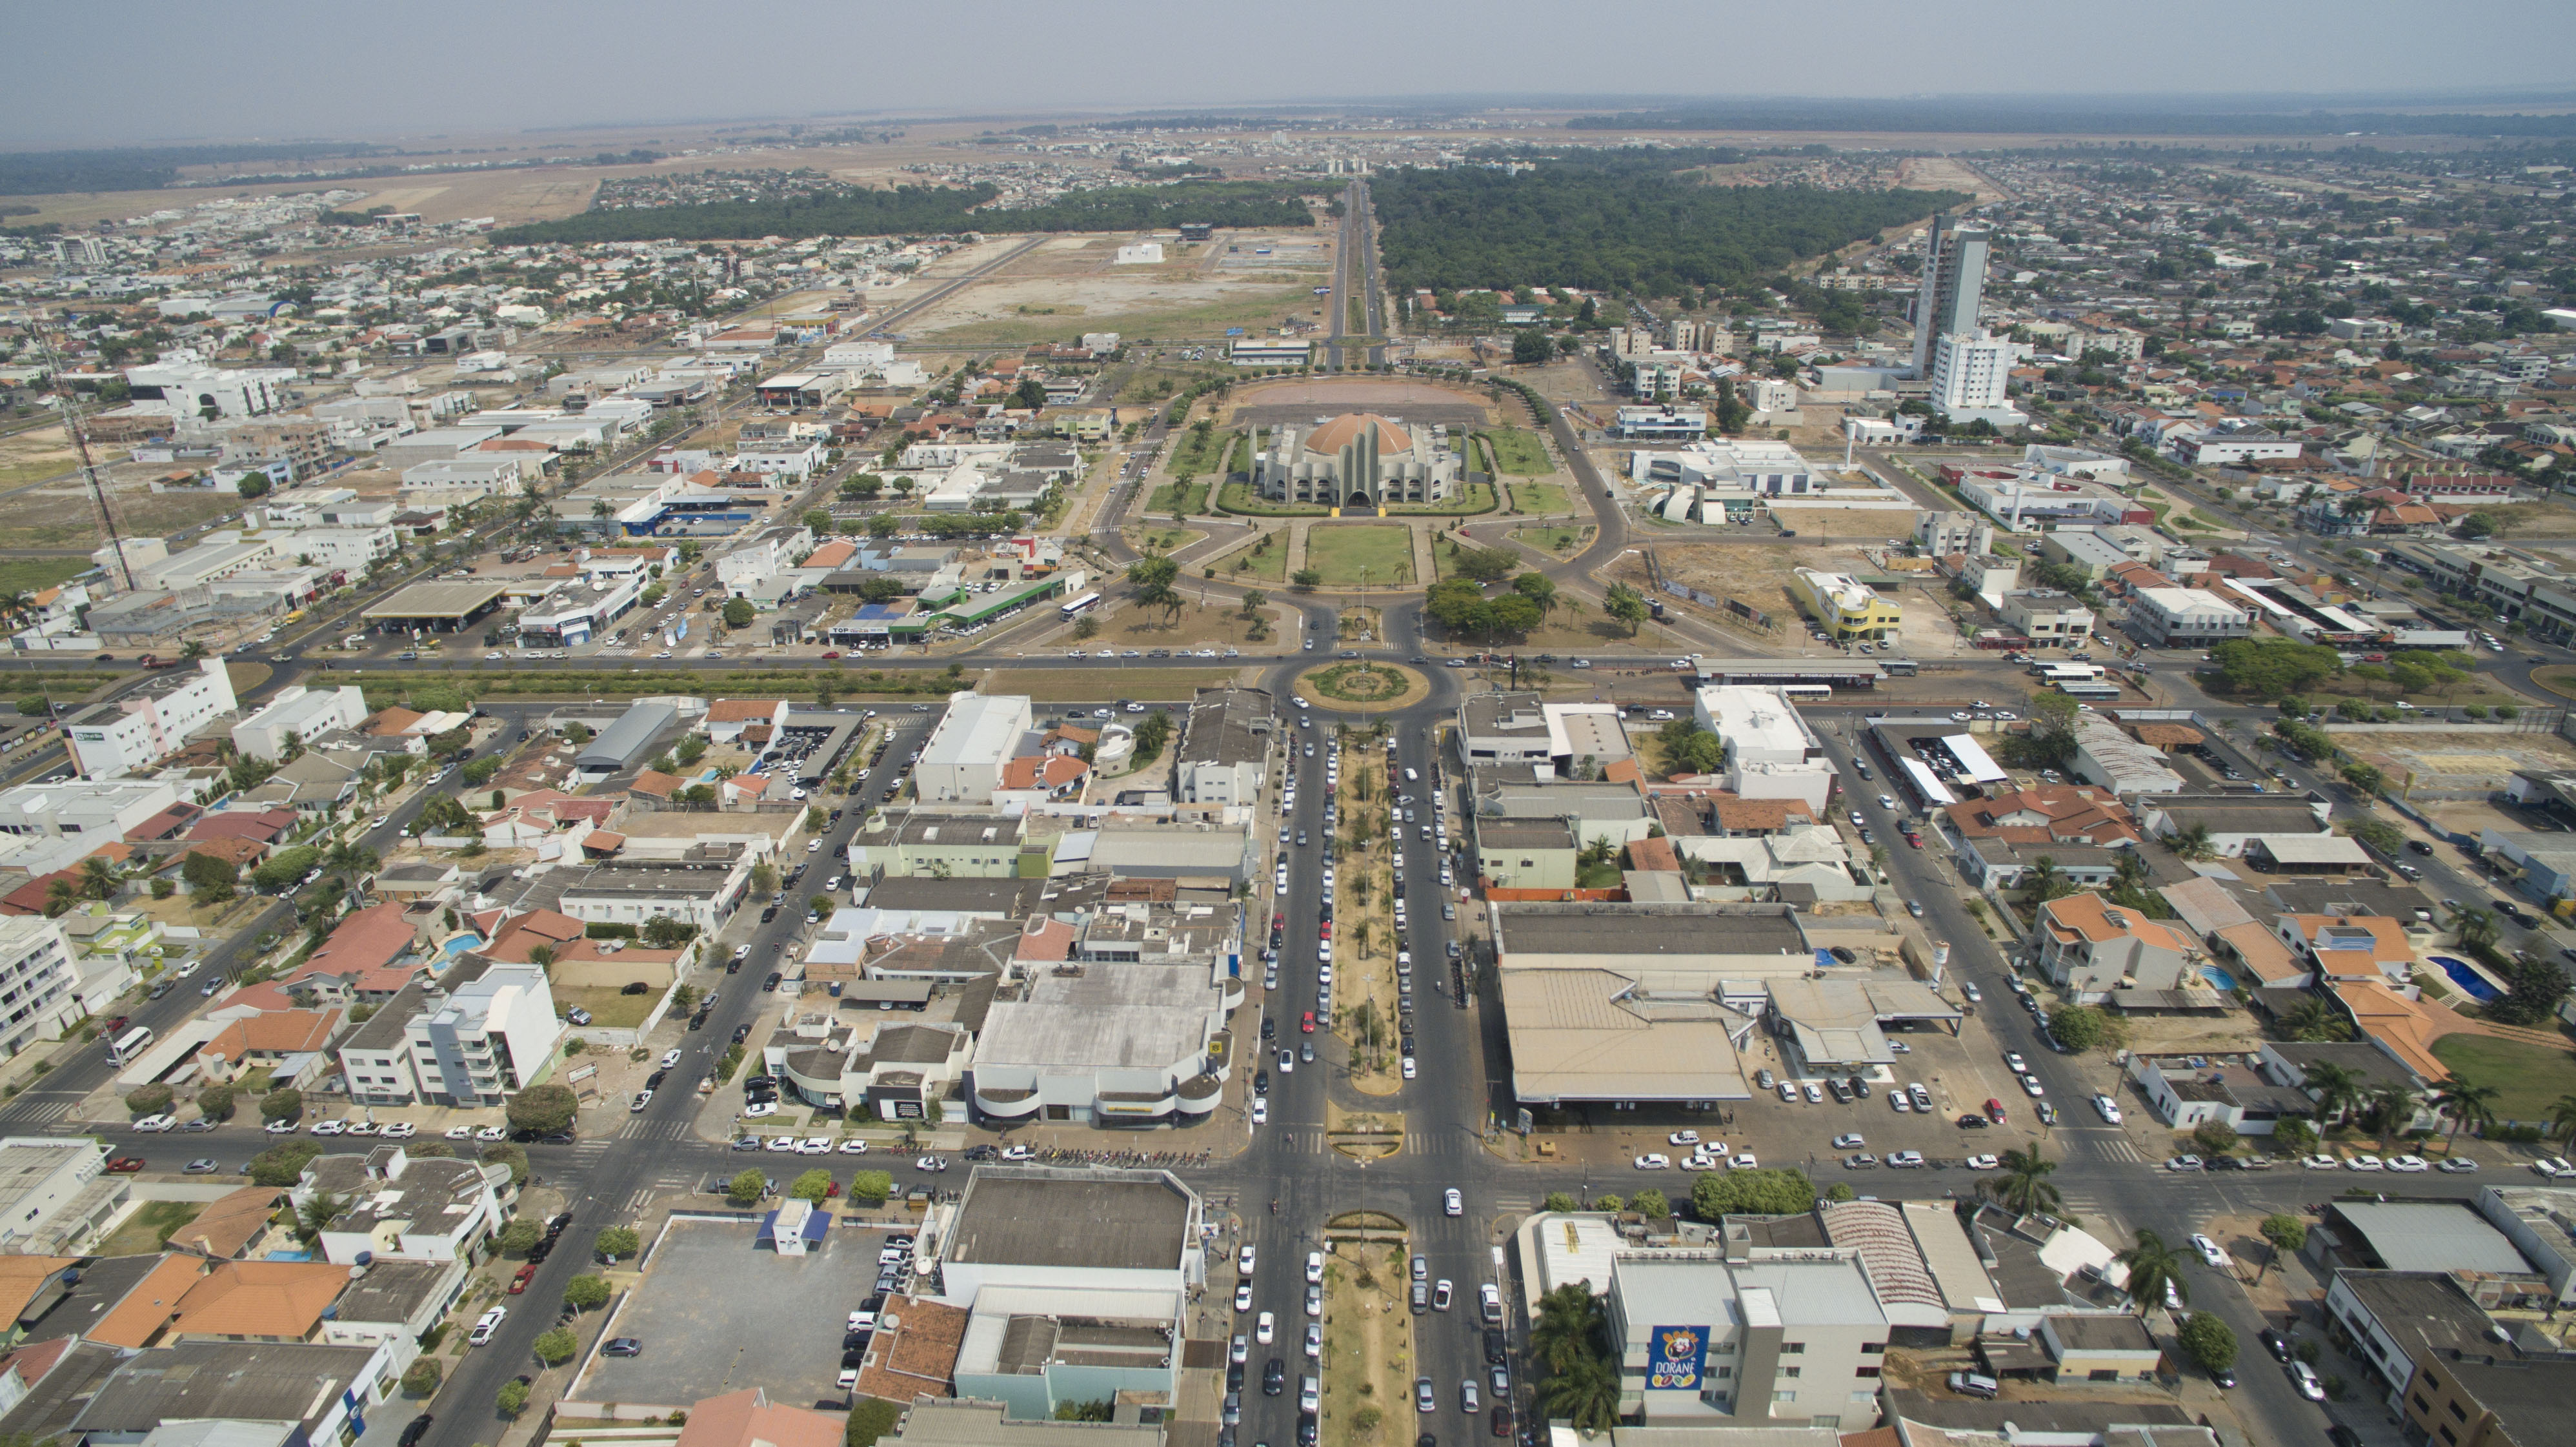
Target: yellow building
{"points": [[1845, 607]]}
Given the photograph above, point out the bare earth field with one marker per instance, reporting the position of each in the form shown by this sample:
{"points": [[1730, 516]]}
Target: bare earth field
{"points": [[59, 514], [35, 455], [1073, 284], [2458, 765], [1838, 522]]}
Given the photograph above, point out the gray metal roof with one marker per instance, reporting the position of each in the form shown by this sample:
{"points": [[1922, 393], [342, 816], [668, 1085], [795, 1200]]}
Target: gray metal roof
{"points": [[623, 741]]}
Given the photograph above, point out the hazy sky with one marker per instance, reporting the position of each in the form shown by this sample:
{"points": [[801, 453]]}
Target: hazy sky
{"points": [[231, 69]]}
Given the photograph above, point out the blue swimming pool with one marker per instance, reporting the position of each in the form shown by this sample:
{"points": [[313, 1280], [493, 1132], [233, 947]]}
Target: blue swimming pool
{"points": [[2218, 979], [2471, 983]]}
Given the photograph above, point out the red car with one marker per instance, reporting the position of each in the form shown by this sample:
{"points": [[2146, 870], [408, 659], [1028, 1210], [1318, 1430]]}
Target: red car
{"points": [[834, 653], [1324, 931], [1308, 1024], [1995, 1111], [519, 1283], [126, 1165], [1914, 839]]}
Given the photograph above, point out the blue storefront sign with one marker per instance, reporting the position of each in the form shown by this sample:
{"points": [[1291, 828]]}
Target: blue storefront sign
{"points": [[1674, 1358]]}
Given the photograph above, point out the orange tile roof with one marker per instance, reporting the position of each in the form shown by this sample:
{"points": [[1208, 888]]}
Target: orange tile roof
{"points": [[278, 1299], [229, 1223], [21, 1277], [272, 1032], [746, 1418], [1656, 855], [2262, 951], [654, 784], [743, 710], [2388, 942], [138, 1318], [363, 950], [2406, 1027], [2091, 917]]}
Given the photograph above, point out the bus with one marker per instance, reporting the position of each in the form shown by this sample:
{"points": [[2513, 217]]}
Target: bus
{"points": [[2068, 672], [1083, 604], [2077, 688], [1807, 692], [124, 1048], [1898, 667]]}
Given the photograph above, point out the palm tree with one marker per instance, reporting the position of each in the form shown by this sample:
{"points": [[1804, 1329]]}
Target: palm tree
{"points": [[2315, 1018], [541, 956], [2474, 926], [2466, 1105], [351, 859], [2335, 1087], [2391, 1107], [2153, 1266], [191, 651], [1585, 1392], [2562, 1116], [1567, 1326], [97, 878], [2023, 1186], [2193, 843]]}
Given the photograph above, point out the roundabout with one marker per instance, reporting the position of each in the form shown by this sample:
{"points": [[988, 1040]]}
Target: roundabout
{"points": [[1365, 687]]}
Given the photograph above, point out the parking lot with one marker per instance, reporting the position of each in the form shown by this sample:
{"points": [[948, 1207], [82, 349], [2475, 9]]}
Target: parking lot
{"points": [[717, 1313], [1959, 1073]]}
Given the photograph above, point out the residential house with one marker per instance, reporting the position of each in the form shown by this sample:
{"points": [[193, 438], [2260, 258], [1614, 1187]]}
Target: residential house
{"points": [[2348, 947], [2089, 946], [404, 1208], [367, 960]]}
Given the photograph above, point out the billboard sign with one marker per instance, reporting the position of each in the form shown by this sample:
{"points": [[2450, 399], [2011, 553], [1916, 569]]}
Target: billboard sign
{"points": [[1673, 1360]]}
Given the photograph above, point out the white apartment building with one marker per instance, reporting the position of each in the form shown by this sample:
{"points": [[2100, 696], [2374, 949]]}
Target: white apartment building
{"points": [[303, 712], [141, 729], [962, 762], [181, 384], [1971, 377], [1944, 533], [1770, 751], [486, 1032], [350, 550], [401, 1207], [1705, 1341], [55, 1195], [636, 894], [2047, 617], [753, 560], [39, 987], [103, 807], [2184, 618], [463, 479]]}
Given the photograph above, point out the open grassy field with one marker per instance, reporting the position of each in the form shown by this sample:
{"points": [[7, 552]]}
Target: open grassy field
{"points": [[1545, 499], [609, 1009], [1350, 556], [1265, 558], [150, 1227], [1174, 499], [1518, 453], [2531, 1077], [1164, 538], [27, 575], [1564, 540]]}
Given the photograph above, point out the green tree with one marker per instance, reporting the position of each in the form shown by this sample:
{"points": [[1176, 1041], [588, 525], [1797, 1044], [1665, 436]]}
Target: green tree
{"points": [[818, 521], [1585, 1392], [583, 1293], [521, 1236], [1152, 578], [148, 1100], [1306, 580], [2337, 1088], [2086, 1027], [870, 1419], [1766, 1192], [1560, 1202], [287, 1104], [870, 1188], [1626, 605], [1650, 1202], [2207, 1341], [2022, 1185], [2153, 1266], [556, 1347], [421, 1378], [2286, 1233], [513, 1398], [2468, 1106], [618, 1243], [2562, 1117], [502, 1153], [283, 1164], [215, 1102], [2294, 1135], [747, 1186], [811, 1186], [2270, 667], [738, 612], [1567, 1326], [545, 1108], [1483, 565], [1253, 599], [2215, 1136], [2192, 843]]}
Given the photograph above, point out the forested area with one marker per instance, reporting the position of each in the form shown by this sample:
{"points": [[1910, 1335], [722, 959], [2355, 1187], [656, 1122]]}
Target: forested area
{"points": [[927, 211], [144, 168], [1620, 223], [2059, 118]]}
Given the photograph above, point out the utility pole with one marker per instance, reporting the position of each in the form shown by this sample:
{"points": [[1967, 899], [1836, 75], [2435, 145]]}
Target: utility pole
{"points": [[89, 466]]}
